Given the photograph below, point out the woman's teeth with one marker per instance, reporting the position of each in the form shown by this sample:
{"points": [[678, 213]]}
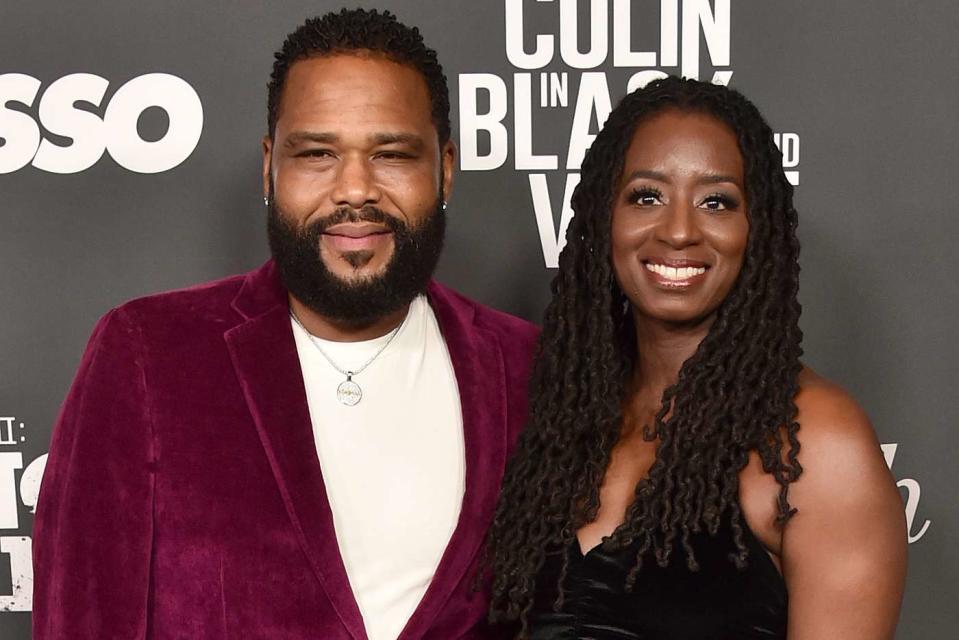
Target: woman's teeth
{"points": [[672, 273]]}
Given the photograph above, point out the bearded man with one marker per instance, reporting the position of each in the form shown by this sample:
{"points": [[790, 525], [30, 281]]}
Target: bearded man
{"points": [[312, 449]]}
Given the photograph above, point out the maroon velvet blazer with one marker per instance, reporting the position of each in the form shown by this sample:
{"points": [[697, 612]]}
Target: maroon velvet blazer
{"points": [[183, 497]]}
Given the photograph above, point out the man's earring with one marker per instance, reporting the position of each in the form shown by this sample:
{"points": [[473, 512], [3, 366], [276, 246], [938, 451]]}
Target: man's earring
{"points": [[444, 205], [266, 200]]}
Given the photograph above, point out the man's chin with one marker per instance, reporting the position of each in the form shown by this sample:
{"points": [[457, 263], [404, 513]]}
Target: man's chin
{"points": [[349, 266], [360, 297], [348, 276]]}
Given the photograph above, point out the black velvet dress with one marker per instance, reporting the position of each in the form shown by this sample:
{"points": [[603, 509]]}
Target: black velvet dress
{"points": [[719, 602]]}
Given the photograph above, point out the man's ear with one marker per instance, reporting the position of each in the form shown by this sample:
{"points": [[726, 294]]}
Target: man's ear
{"points": [[448, 158], [267, 163]]}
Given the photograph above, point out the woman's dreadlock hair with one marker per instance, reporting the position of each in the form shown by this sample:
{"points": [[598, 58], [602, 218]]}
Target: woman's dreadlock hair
{"points": [[734, 395]]}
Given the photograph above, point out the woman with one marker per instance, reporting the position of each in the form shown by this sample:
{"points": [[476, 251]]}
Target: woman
{"points": [[683, 475]]}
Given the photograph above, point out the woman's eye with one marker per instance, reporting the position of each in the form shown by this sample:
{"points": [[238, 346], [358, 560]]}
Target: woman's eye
{"points": [[718, 202], [646, 197]]}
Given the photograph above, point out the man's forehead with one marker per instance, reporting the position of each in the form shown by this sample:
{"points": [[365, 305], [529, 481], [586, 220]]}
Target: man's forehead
{"points": [[350, 91]]}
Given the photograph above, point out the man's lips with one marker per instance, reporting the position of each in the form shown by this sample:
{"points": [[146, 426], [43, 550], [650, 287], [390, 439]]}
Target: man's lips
{"points": [[357, 237], [353, 230]]}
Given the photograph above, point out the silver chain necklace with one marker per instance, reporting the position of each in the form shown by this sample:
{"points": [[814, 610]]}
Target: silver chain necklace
{"points": [[348, 392]]}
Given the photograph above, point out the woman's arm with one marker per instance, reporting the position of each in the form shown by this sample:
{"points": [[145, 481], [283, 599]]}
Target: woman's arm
{"points": [[844, 552]]}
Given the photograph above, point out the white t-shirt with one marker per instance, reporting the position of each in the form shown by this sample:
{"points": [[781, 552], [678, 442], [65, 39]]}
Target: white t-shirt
{"points": [[394, 465]]}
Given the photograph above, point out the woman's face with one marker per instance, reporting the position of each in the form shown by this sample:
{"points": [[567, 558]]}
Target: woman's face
{"points": [[679, 224]]}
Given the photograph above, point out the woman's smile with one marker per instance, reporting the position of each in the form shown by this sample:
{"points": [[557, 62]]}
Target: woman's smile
{"points": [[676, 274]]}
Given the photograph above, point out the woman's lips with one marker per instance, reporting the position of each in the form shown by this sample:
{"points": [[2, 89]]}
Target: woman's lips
{"points": [[675, 274]]}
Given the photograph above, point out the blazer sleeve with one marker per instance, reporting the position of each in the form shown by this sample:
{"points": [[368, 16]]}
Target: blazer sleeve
{"points": [[94, 521]]}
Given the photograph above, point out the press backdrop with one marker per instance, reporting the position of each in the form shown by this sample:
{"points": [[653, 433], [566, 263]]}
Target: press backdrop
{"points": [[130, 163]]}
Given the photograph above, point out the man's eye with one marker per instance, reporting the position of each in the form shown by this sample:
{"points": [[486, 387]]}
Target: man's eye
{"points": [[315, 153]]}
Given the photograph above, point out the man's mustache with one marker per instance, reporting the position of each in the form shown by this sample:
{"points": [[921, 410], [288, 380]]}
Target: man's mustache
{"points": [[369, 214]]}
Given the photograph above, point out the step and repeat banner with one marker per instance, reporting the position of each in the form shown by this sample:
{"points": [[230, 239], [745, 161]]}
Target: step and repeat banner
{"points": [[130, 160]]}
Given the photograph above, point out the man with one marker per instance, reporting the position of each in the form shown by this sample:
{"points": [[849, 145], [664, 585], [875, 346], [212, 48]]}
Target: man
{"points": [[313, 449]]}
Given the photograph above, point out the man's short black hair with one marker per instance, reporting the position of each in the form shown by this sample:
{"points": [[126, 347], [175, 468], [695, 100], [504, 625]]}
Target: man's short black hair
{"points": [[353, 30]]}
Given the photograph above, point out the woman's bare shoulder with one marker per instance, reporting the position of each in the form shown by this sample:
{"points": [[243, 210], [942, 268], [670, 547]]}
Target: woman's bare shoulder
{"points": [[829, 415]]}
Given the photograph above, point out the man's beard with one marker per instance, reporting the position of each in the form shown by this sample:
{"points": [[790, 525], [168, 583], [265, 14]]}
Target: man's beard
{"points": [[362, 301]]}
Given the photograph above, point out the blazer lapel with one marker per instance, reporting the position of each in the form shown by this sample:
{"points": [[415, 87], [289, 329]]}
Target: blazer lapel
{"points": [[480, 374], [267, 366]]}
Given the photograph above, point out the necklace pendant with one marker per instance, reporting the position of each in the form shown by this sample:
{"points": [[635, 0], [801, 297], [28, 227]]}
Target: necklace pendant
{"points": [[348, 392]]}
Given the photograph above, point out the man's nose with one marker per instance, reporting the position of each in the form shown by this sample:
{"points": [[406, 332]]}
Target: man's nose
{"points": [[355, 184]]}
